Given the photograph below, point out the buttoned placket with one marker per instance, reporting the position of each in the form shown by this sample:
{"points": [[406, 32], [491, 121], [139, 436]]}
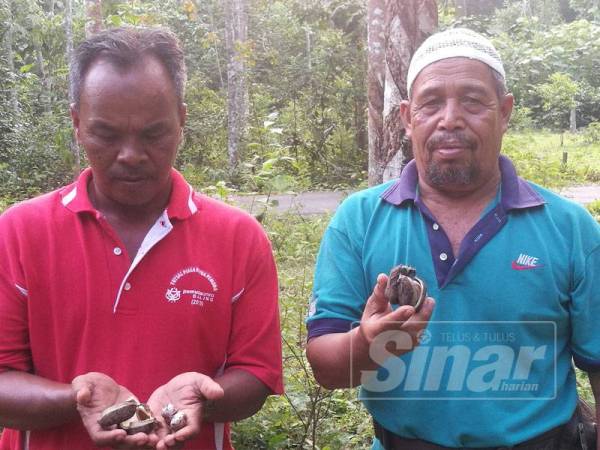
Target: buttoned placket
{"points": [[161, 228]]}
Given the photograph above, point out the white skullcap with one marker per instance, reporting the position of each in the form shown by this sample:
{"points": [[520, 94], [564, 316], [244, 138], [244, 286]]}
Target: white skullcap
{"points": [[453, 43]]}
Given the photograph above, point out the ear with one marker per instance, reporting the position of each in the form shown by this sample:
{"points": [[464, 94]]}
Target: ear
{"points": [[506, 107], [405, 116], [182, 114], [74, 119], [182, 119]]}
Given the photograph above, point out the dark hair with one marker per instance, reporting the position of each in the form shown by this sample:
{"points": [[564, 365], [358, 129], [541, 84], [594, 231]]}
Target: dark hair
{"points": [[125, 47]]}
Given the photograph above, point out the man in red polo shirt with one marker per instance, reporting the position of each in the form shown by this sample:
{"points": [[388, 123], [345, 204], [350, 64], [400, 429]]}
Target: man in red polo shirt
{"points": [[127, 282]]}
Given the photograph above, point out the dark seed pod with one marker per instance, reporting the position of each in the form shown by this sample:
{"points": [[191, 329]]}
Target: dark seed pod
{"points": [[142, 426], [405, 288], [118, 413]]}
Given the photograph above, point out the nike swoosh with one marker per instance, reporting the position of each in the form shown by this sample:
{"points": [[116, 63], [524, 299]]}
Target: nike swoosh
{"points": [[516, 266]]}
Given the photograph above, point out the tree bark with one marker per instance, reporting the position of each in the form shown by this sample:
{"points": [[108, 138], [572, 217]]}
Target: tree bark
{"points": [[236, 35], [573, 120], [69, 47], [93, 12], [375, 87], [407, 24]]}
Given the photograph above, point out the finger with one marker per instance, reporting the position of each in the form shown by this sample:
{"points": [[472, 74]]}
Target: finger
{"points": [[400, 315], [378, 301], [110, 438]]}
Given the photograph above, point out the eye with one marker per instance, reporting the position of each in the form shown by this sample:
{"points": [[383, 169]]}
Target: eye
{"points": [[430, 105], [104, 133], [155, 133]]}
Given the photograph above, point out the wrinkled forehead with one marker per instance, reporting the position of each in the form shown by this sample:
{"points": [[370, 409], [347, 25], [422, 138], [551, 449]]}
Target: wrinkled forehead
{"points": [[454, 73]]}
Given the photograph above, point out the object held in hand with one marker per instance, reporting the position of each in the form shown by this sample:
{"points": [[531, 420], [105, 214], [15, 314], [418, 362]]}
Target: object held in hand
{"points": [[131, 416], [175, 419], [405, 288]]}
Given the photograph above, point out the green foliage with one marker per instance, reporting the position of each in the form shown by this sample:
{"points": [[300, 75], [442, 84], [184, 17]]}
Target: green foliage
{"points": [[521, 119], [592, 133], [559, 97], [594, 209], [308, 416]]}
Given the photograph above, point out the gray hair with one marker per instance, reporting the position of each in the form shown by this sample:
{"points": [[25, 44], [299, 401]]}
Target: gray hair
{"points": [[499, 84], [125, 47]]}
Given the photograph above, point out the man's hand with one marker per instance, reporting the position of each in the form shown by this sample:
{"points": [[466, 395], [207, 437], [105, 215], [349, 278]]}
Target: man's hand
{"points": [[96, 392], [188, 393], [378, 316]]}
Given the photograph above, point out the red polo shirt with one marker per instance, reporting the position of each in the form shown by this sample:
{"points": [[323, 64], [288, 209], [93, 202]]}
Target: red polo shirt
{"points": [[200, 295]]}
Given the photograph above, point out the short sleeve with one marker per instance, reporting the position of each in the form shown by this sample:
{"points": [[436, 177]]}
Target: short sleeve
{"points": [[585, 311], [255, 340], [14, 330], [340, 290]]}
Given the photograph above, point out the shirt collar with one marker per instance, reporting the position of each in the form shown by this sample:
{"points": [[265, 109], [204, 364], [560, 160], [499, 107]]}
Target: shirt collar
{"points": [[516, 192], [181, 203]]}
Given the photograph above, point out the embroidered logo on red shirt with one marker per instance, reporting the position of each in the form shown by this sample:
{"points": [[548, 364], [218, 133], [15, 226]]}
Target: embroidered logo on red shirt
{"points": [[526, 262], [198, 285]]}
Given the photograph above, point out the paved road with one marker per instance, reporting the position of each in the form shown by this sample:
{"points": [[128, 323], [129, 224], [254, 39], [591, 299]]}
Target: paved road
{"points": [[308, 203]]}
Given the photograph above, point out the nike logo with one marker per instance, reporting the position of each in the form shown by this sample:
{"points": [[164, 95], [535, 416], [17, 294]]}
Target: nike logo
{"points": [[516, 266]]}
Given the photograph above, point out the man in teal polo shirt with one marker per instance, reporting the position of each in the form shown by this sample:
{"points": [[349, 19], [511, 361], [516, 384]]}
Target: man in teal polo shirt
{"points": [[513, 269]]}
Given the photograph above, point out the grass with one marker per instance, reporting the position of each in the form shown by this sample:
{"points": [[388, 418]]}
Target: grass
{"points": [[539, 158]]}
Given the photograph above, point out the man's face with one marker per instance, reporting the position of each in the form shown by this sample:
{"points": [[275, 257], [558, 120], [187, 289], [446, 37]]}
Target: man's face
{"points": [[456, 121], [129, 122]]}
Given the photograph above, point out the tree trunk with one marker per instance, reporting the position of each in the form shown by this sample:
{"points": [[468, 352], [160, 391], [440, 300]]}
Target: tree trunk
{"points": [[407, 24], [236, 35], [45, 96], [375, 87], [10, 61], [573, 120], [93, 12], [69, 44]]}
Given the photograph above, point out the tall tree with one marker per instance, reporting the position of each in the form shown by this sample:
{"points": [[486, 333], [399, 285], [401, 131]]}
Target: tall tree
{"points": [[10, 58], [375, 87], [69, 46], [407, 24], [93, 12], [236, 36]]}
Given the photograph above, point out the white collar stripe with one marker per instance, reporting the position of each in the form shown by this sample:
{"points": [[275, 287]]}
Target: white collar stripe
{"points": [[69, 197], [191, 204]]}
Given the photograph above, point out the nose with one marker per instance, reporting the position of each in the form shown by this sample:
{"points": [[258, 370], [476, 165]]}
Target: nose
{"points": [[132, 152], [451, 116]]}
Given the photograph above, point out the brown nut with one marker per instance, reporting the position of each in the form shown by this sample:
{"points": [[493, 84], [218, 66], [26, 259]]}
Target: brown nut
{"points": [[142, 426], [178, 421], [118, 413], [405, 288]]}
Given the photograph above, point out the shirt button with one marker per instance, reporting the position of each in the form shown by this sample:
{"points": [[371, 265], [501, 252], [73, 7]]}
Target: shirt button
{"points": [[127, 286], [117, 251], [443, 256], [436, 226]]}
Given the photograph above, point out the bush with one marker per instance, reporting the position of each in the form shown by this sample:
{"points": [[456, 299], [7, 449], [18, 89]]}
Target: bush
{"points": [[592, 133]]}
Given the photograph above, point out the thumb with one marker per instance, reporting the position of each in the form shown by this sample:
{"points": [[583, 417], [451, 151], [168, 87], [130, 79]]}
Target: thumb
{"points": [[378, 301], [209, 388], [84, 395]]}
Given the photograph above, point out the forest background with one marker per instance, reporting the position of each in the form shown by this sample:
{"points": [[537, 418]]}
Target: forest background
{"points": [[305, 127]]}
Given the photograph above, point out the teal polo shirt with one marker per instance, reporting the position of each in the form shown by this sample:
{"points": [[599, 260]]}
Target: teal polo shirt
{"points": [[513, 310]]}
